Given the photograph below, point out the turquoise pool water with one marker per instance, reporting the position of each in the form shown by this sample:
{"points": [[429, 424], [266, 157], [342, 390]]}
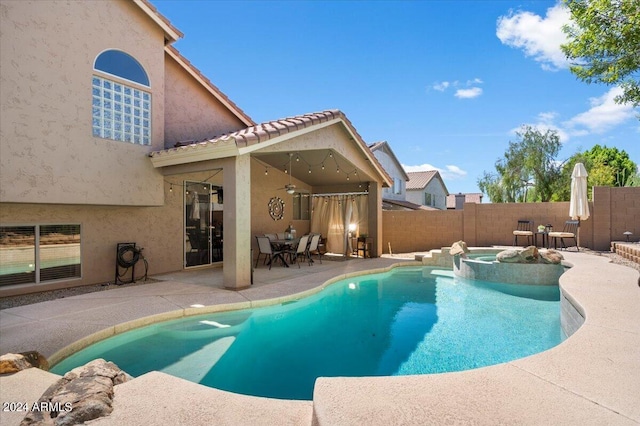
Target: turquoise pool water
{"points": [[407, 321]]}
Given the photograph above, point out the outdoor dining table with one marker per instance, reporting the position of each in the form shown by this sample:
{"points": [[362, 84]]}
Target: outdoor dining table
{"points": [[279, 246]]}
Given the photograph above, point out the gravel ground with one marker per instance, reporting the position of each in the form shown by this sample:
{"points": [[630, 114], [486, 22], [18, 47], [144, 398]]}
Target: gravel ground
{"points": [[27, 299]]}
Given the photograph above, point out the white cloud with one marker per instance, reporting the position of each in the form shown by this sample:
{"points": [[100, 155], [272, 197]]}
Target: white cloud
{"points": [[546, 121], [603, 115], [538, 37], [474, 92], [450, 172], [441, 87]]}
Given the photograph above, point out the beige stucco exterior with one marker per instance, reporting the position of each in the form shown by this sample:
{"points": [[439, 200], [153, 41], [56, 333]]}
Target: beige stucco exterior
{"points": [[195, 117], [48, 152]]}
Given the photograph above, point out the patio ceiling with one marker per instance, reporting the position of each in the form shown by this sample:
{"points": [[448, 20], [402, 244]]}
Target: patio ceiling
{"points": [[307, 166]]}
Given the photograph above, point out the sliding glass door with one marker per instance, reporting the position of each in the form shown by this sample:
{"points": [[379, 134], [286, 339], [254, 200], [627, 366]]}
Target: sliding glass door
{"points": [[203, 223]]}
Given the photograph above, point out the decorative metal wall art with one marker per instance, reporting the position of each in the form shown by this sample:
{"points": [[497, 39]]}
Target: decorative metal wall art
{"points": [[276, 208]]}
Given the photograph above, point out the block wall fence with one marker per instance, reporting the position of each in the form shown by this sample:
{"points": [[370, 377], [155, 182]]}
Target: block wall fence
{"points": [[613, 211]]}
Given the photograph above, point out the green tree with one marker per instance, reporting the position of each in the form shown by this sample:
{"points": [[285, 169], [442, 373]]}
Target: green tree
{"points": [[609, 166], [604, 44], [606, 167], [529, 170]]}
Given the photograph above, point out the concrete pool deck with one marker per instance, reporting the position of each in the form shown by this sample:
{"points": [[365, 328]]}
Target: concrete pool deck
{"points": [[591, 378]]}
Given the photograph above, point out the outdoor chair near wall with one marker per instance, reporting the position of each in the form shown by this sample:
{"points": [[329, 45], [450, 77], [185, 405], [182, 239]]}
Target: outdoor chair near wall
{"points": [[570, 231], [264, 245], [300, 250], [524, 229], [313, 248], [271, 236]]}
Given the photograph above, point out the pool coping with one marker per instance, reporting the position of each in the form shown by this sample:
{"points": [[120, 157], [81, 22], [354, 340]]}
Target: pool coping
{"points": [[591, 378]]}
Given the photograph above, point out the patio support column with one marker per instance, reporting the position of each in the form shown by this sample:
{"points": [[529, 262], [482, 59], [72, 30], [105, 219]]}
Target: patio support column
{"points": [[375, 217], [236, 269]]}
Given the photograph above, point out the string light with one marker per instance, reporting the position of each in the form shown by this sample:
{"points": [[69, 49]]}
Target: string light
{"points": [[286, 168]]}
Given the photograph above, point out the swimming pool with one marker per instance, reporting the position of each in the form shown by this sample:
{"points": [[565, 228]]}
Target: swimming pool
{"points": [[406, 321]]}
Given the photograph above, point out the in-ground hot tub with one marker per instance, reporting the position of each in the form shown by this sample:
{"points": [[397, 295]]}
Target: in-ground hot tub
{"points": [[476, 268]]}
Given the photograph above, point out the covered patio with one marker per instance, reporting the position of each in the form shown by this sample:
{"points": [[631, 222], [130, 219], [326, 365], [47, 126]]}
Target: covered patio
{"points": [[313, 172]]}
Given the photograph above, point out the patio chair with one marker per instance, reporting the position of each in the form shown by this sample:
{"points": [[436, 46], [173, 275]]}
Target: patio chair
{"points": [[271, 237], [570, 231], [313, 248], [300, 250], [524, 229], [265, 248]]}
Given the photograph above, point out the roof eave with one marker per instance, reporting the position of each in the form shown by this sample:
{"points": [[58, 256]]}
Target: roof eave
{"points": [[193, 153], [171, 33]]}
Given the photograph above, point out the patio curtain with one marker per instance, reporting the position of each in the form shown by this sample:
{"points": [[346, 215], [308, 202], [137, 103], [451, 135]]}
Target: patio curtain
{"points": [[331, 216]]}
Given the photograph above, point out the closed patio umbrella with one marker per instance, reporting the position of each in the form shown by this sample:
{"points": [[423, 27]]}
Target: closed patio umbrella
{"points": [[579, 204]]}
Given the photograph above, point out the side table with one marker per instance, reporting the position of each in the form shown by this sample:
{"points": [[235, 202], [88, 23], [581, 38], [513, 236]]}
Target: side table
{"points": [[545, 239]]}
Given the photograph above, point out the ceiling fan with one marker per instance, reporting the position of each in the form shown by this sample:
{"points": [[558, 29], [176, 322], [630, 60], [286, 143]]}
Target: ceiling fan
{"points": [[290, 188]]}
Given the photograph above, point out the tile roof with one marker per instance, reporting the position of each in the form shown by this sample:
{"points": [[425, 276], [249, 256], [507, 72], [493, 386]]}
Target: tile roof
{"points": [[262, 132], [418, 180], [270, 130], [470, 197]]}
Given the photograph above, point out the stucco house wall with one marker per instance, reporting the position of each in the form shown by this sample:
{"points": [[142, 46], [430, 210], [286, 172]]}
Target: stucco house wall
{"points": [[395, 171], [49, 154], [196, 117]]}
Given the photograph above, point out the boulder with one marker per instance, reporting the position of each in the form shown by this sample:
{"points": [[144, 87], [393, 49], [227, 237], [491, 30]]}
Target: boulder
{"points": [[459, 248], [84, 393], [529, 254], [551, 256], [509, 256], [12, 363], [36, 359]]}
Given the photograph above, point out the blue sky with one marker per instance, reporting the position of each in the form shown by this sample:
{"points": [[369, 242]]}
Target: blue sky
{"points": [[446, 83]]}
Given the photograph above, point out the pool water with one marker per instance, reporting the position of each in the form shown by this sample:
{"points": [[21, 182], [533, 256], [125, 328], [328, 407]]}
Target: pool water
{"points": [[407, 321]]}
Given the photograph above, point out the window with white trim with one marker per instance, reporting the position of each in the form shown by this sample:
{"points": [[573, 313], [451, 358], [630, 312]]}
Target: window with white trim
{"points": [[39, 253], [121, 111], [429, 199], [397, 185]]}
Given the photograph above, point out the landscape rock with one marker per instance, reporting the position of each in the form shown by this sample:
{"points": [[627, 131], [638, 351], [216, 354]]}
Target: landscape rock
{"points": [[36, 359], [84, 393], [529, 254], [12, 363], [459, 248], [551, 256], [509, 256]]}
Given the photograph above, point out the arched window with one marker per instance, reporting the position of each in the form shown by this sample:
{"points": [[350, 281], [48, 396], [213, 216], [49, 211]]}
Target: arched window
{"points": [[121, 64], [121, 111]]}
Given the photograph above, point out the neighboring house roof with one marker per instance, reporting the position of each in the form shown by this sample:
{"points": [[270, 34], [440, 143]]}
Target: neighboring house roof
{"points": [[405, 204], [209, 86], [258, 137], [471, 197], [419, 180], [384, 145], [171, 33]]}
